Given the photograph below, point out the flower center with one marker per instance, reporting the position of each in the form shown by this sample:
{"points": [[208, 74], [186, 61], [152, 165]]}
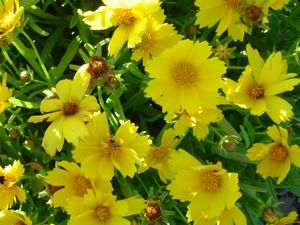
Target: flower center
{"points": [[158, 154], [256, 91], [81, 184], [70, 108], [125, 16], [185, 74], [234, 3], [210, 181], [254, 13], [147, 42], [153, 212], [278, 153], [98, 67], [102, 213], [112, 148], [20, 223]]}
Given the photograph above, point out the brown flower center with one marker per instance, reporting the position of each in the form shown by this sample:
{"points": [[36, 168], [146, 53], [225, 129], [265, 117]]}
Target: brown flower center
{"points": [[256, 91], [254, 13], [20, 223], [159, 154], [278, 153], [147, 42], [153, 212], [234, 3], [98, 67], [185, 74], [70, 108], [210, 181], [102, 213], [81, 184], [125, 17]]}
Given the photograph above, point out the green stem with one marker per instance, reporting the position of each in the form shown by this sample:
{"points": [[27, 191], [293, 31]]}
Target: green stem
{"points": [[37, 55], [8, 59]]}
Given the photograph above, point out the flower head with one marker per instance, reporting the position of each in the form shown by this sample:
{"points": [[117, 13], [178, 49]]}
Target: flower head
{"points": [[73, 182], [5, 94], [209, 188], [9, 189], [259, 85], [9, 217], [228, 16], [130, 17], [182, 74], [100, 152], [275, 159], [68, 112], [102, 209], [232, 216], [155, 39], [10, 14], [198, 121]]}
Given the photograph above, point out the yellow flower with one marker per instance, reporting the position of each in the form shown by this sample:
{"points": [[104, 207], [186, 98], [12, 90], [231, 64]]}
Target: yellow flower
{"points": [[10, 14], [275, 159], [73, 182], [232, 216], [9, 190], [259, 85], [130, 17], [156, 38], [68, 112], [101, 152], [9, 217], [209, 188], [165, 158], [102, 209], [228, 16], [198, 121], [278, 4], [184, 78], [5, 94], [291, 218]]}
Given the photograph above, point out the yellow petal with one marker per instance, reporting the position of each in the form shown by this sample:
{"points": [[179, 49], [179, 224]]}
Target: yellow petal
{"points": [[278, 109], [53, 139], [80, 83], [255, 60], [74, 129], [117, 40]]}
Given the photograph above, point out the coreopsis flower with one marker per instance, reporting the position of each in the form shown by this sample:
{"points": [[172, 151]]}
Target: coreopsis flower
{"points": [[67, 112], [156, 38], [180, 76], [9, 189], [232, 216], [98, 208], [228, 16], [10, 14], [278, 4], [210, 189], [259, 85], [275, 159], [5, 94], [71, 182], [9, 217], [198, 121], [100, 152], [130, 17], [291, 218], [164, 157]]}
